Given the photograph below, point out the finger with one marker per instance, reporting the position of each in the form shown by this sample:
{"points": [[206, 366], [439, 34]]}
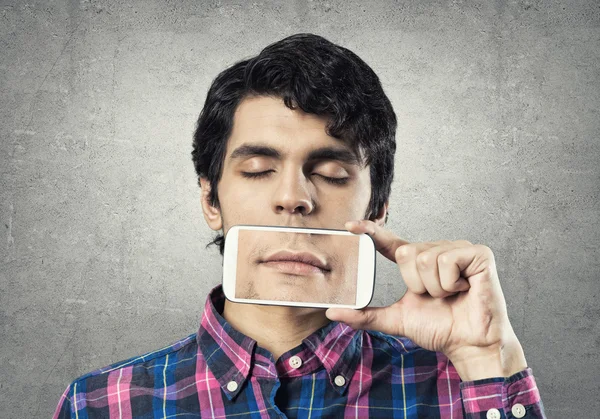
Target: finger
{"points": [[406, 258], [428, 265], [476, 263], [383, 319], [450, 271], [385, 241]]}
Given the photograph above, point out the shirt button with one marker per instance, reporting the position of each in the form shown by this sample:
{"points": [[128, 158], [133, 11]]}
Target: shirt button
{"points": [[339, 381], [518, 410], [295, 362], [232, 386], [493, 414]]}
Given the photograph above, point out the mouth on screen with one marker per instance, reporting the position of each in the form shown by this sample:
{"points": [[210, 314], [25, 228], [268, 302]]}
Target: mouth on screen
{"points": [[292, 267]]}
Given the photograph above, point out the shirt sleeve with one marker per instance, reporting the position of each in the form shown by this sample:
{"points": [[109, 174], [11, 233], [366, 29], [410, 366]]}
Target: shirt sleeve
{"points": [[516, 396], [63, 410]]}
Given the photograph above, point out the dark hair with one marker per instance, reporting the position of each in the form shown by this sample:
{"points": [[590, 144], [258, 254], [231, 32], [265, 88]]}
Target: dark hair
{"points": [[311, 73]]}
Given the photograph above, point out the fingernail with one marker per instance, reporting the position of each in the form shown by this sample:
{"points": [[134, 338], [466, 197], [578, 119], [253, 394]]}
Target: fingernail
{"points": [[352, 223]]}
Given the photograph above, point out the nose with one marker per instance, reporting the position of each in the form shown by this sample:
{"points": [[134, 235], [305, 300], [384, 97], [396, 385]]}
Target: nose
{"points": [[292, 195]]}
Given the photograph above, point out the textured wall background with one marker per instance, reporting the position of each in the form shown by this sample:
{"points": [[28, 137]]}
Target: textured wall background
{"points": [[103, 255]]}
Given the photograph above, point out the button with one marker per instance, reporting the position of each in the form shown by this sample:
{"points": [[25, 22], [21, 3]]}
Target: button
{"points": [[518, 410], [493, 414], [295, 362], [232, 386], [339, 381]]}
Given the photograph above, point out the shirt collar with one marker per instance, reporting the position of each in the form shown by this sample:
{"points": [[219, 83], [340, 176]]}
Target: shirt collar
{"points": [[338, 347], [229, 354]]}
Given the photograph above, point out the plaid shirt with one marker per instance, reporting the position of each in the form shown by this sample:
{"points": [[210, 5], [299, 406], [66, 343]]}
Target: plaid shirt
{"points": [[336, 372]]}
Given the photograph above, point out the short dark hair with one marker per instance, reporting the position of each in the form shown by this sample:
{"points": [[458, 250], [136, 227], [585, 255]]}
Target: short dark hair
{"points": [[311, 73]]}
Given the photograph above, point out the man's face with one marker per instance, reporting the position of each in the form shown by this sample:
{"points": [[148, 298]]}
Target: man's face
{"points": [[282, 169]]}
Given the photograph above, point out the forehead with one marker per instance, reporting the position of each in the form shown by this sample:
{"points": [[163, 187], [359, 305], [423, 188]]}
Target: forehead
{"points": [[267, 120]]}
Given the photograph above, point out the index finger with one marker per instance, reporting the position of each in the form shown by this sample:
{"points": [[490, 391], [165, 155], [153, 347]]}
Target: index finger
{"points": [[386, 242]]}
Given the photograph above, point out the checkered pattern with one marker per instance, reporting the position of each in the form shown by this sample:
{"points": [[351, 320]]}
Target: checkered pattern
{"points": [[384, 377]]}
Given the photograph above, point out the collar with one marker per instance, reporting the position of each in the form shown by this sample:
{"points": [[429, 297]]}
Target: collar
{"points": [[338, 347], [227, 352], [231, 355]]}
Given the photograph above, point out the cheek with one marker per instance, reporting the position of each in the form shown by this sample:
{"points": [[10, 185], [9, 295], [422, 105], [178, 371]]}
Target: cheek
{"points": [[363, 194], [242, 205], [351, 203]]}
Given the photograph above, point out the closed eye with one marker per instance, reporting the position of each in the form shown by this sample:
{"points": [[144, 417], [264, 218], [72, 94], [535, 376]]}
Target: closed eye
{"points": [[333, 180], [256, 175]]}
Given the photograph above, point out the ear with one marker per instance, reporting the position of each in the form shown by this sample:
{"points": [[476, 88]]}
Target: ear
{"points": [[381, 217], [212, 214]]}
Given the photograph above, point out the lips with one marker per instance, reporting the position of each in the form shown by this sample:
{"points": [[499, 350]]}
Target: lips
{"points": [[302, 263]]}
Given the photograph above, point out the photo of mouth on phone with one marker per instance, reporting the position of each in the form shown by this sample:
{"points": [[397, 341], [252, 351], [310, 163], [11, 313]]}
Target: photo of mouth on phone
{"points": [[301, 267]]}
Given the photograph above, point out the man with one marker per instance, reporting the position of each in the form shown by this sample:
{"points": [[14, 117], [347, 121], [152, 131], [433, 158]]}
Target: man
{"points": [[302, 135]]}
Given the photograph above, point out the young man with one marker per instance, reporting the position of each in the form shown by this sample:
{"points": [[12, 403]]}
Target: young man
{"points": [[302, 135]]}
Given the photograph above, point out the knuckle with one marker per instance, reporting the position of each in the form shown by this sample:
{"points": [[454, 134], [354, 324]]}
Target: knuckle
{"points": [[464, 242], [403, 252], [444, 259], [425, 259]]}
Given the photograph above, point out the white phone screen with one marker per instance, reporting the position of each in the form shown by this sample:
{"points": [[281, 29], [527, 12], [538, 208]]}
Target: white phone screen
{"points": [[299, 266]]}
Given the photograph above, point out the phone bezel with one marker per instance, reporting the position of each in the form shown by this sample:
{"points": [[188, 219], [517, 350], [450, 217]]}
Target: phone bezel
{"points": [[366, 267]]}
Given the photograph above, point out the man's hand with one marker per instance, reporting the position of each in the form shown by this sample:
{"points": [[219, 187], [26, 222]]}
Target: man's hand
{"points": [[454, 304]]}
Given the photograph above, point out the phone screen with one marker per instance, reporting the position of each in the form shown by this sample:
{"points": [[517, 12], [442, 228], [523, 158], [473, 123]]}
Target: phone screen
{"points": [[297, 266]]}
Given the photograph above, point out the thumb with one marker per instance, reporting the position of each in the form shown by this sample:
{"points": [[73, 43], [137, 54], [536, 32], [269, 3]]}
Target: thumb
{"points": [[371, 318]]}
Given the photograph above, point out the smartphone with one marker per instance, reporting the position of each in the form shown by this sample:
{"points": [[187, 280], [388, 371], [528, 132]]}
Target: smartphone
{"points": [[299, 267]]}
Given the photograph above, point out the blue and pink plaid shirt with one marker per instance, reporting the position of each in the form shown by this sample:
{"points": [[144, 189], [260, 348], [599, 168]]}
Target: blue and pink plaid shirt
{"points": [[336, 372]]}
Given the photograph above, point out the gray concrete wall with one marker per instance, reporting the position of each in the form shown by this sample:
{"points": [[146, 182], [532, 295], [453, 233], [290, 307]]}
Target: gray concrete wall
{"points": [[102, 253]]}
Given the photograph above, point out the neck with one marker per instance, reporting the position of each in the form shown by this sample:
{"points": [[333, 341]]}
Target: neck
{"points": [[275, 328]]}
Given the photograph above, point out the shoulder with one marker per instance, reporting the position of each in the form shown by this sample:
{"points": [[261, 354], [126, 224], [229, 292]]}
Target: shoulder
{"points": [[141, 368]]}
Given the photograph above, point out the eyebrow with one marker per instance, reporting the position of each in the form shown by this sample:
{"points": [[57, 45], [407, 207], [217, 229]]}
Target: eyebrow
{"points": [[339, 154], [325, 153], [251, 150]]}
